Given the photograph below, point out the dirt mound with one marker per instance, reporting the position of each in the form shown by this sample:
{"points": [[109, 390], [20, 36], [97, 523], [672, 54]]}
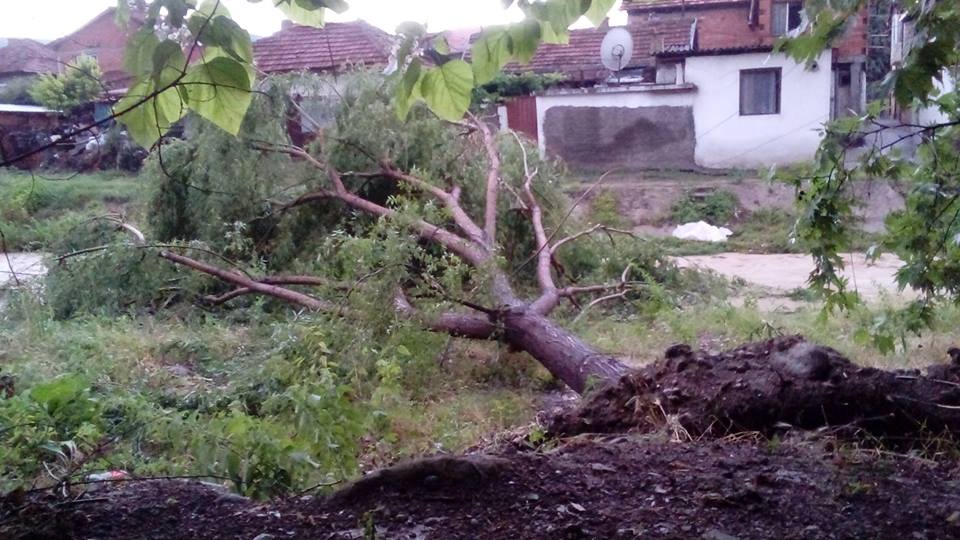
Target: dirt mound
{"points": [[772, 386], [621, 487]]}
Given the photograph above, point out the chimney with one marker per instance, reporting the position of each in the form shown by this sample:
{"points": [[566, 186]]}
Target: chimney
{"points": [[287, 24], [605, 25]]}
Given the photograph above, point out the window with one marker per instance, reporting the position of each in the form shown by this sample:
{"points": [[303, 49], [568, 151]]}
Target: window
{"points": [[786, 17], [759, 91]]}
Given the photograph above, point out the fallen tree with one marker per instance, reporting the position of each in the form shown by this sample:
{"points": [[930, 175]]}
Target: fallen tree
{"points": [[494, 309]]}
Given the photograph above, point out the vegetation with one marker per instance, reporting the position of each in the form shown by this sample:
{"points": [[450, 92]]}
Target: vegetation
{"points": [[923, 234], [39, 213], [17, 91], [79, 84], [717, 208]]}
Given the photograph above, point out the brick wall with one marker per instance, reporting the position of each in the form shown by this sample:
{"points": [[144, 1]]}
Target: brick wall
{"points": [[101, 37], [727, 26]]}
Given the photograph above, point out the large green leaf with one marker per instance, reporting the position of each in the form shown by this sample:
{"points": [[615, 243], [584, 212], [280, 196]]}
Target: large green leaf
{"points": [[524, 40], [489, 54], [138, 56], [448, 89], [148, 112], [408, 89], [598, 11], [301, 12], [219, 90], [223, 33]]}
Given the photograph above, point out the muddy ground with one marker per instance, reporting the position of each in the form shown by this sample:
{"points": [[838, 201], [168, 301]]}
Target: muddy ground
{"points": [[778, 439]]}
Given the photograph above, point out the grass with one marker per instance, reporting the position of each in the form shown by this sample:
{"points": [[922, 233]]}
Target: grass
{"points": [[37, 211], [764, 231], [721, 325]]}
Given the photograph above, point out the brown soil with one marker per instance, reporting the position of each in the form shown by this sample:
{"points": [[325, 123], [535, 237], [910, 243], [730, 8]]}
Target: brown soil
{"points": [[773, 386], [713, 473]]}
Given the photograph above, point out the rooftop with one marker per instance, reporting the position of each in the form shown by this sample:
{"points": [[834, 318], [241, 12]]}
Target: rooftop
{"points": [[333, 47], [644, 5], [580, 59], [26, 56]]}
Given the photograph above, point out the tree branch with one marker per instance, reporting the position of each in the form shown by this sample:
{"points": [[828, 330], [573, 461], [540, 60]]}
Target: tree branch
{"points": [[493, 179], [244, 282], [544, 254], [591, 230], [449, 199]]}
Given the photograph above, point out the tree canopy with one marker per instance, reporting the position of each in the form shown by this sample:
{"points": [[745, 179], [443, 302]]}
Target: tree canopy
{"points": [[215, 76]]}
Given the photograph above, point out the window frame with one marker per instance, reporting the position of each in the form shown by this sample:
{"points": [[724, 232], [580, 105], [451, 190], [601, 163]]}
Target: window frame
{"points": [[786, 24], [778, 92]]}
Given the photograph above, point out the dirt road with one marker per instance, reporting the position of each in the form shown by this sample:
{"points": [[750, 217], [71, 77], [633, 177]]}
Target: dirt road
{"points": [[784, 273], [16, 267]]}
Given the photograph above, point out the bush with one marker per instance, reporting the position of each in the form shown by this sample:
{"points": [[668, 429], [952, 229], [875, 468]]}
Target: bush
{"points": [[716, 208], [80, 83]]}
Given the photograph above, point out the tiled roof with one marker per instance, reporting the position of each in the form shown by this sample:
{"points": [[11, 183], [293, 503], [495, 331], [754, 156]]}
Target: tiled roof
{"points": [[642, 5], [336, 45], [26, 56], [580, 59]]}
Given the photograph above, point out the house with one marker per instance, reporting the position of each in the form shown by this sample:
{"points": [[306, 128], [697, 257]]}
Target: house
{"points": [[332, 49], [902, 39], [20, 58], [704, 89], [101, 38]]}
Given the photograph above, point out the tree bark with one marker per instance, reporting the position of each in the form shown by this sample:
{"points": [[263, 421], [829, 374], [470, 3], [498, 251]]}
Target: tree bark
{"points": [[564, 355]]}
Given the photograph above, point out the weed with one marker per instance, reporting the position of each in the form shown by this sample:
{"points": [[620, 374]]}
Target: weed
{"points": [[717, 208]]}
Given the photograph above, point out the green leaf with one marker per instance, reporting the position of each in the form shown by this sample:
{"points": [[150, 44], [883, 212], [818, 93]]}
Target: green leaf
{"points": [[168, 61], [138, 56], [599, 9], [58, 392], [219, 90], [524, 40], [223, 33], [298, 12], [448, 89], [408, 89], [441, 46], [149, 117], [489, 54]]}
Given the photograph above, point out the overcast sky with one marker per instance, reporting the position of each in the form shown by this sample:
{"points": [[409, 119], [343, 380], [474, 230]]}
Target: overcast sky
{"points": [[49, 19]]}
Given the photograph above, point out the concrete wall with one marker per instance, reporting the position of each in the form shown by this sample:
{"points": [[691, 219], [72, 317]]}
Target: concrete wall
{"points": [[605, 128], [727, 140], [603, 138]]}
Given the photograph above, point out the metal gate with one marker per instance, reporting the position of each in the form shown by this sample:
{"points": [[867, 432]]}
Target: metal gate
{"points": [[522, 115]]}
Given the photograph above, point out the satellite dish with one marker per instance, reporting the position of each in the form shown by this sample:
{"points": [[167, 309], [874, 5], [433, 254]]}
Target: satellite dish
{"points": [[617, 49]]}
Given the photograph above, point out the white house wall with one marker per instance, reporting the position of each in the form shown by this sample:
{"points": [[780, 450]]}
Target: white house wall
{"points": [[727, 140], [928, 116], [724, 139]]}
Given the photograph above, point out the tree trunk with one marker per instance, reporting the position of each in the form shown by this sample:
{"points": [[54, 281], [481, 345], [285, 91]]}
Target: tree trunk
{"points": [[566, 356]]}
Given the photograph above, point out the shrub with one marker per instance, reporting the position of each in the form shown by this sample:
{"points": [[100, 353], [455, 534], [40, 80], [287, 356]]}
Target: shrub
{"points": [[80, 83], [716, 208]]}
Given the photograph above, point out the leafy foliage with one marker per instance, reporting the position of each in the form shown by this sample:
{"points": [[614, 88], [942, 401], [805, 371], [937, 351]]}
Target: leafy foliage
{"points": [[717, 208], [78, 84], [218, 87], [924, 234]]}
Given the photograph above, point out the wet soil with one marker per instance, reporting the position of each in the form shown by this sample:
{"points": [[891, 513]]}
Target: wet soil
{"points": [[779, 439]]}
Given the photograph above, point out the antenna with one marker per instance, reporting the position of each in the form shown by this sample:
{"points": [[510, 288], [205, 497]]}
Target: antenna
{"points": [[617, 49]]}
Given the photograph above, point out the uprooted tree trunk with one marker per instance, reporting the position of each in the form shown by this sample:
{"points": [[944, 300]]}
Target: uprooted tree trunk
{"points": [[523, 324]]}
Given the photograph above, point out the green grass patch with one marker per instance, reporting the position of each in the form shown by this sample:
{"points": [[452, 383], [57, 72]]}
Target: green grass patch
{"points": [[37, 211]]}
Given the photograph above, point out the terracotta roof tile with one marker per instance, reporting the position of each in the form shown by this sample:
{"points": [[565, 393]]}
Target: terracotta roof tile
{"points": [[580, 59], [26, 56], [335, 46]]}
